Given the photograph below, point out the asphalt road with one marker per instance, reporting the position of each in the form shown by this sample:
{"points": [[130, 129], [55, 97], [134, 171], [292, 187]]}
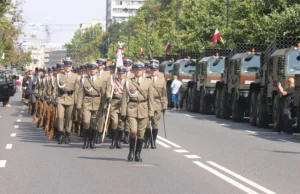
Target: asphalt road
{"points": [[201, 154]]}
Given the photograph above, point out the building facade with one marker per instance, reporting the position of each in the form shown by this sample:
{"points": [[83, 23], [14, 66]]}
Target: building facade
{"points": [[94, 22], [121, 10]]}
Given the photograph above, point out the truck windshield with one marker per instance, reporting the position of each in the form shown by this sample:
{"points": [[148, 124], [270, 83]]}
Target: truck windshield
{"points": [[293, 63], [187, 68], [251, 64], [216, 66], [169, 68]]}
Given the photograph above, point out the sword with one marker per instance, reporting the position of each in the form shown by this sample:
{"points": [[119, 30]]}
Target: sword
{"points": [[150, 124], [165, 126]]}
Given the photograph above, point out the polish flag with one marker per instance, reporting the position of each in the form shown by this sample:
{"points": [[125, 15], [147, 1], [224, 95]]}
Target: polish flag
{"points": [[168, 46], [216, 36], [142, 53]]}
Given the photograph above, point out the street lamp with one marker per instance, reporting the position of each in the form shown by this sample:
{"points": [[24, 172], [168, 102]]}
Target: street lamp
{"points": [[227, 23]]}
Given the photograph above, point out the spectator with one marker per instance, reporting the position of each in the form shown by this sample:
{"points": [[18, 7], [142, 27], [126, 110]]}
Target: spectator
{"points": [[175, 86], [288, 100]]}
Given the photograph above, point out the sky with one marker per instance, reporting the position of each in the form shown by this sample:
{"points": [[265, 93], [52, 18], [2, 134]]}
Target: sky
{"points": [[61, 12]]}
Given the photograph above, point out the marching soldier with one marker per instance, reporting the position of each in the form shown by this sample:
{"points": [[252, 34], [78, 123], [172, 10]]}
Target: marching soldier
{"points": [[127, 63], [137, 108], [159, 106], [25, 82], [67, 92], [115, 113], [50, 95], [30, 91], [39, 90], [89, 98], [105, 80]]}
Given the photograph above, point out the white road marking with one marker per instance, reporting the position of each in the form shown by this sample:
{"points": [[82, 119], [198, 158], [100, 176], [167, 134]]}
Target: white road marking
{"points": [[0, 116], [253, 132], [20, 115], [13, 135], [225, 125], [225, 178], [181, 151], [187, 115], [22, 111], [19, 120], [8, 146], [162, 144], [2, 163], [284, 140], [16, 126], [253, 184], [23, 108], [169, 142], [192, 156]]}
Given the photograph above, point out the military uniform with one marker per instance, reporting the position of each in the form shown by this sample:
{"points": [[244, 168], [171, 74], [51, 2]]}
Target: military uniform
{"points": [[30, 92], [105, 80], [89, 98], [127, 63], [39, 92], [115, 112], [159, 106], [67, 92], [137, 106]]}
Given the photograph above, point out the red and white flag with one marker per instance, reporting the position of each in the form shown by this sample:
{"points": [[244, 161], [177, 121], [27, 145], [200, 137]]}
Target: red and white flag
{"points": [[216, 37], [168, 46], [142, 52]]}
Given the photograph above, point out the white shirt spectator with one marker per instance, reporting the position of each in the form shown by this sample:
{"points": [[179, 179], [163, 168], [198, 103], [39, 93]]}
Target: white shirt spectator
{"points": [[176, 84]]}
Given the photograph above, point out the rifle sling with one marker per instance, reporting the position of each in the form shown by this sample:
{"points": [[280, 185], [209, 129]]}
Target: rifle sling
{"points": [[139, 89], [99, 93]]}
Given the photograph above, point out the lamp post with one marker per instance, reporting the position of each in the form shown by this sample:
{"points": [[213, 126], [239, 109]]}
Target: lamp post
{"points": [[147, 20]]}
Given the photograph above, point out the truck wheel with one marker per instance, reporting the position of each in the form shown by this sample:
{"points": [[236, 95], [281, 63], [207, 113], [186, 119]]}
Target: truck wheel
{"points": [[194, 101], [204, 104], [236, 112], [217, 103], [189, 101], [253, 104], [262, 119], [224, 111], [277, 117]]}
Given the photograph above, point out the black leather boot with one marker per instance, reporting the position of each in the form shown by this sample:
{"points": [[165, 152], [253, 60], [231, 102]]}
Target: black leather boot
{"points": [[32, 108], [93, 140], [118, 142], [67, 138], [138, 150], [86, 138], [113, 138], [60, 137], [153, 143], [126, 137], [131, 148], [147, 137], [98, 137]]}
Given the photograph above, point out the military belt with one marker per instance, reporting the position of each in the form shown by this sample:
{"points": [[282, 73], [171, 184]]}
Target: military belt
{"points": [[156, 97], [93, 96], [116, 98], [138, 101], [70, 92]]}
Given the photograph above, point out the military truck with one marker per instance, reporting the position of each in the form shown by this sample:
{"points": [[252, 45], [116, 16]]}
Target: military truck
{"points": [[7, 85], [209, 67], [232, 93], [279, 62], [184, 69], [166, 68]]}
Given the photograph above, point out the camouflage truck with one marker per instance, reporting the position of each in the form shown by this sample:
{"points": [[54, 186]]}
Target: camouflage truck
{"points": [[232, 93], [209, 67], [7, 84], [279, 62]]}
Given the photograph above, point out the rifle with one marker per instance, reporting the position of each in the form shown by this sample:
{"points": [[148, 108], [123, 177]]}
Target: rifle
{"points": [[35, 110], [48, 118], [53, 122]]}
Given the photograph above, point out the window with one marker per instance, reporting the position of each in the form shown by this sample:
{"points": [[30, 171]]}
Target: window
{"points": [[119, 3]]}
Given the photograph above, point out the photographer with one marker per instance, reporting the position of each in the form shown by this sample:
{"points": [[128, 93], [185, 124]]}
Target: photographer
{"points": [[288, 100]]}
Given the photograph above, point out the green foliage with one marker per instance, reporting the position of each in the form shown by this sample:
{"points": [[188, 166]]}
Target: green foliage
{"points": [[190, 24], [86, 45]]}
